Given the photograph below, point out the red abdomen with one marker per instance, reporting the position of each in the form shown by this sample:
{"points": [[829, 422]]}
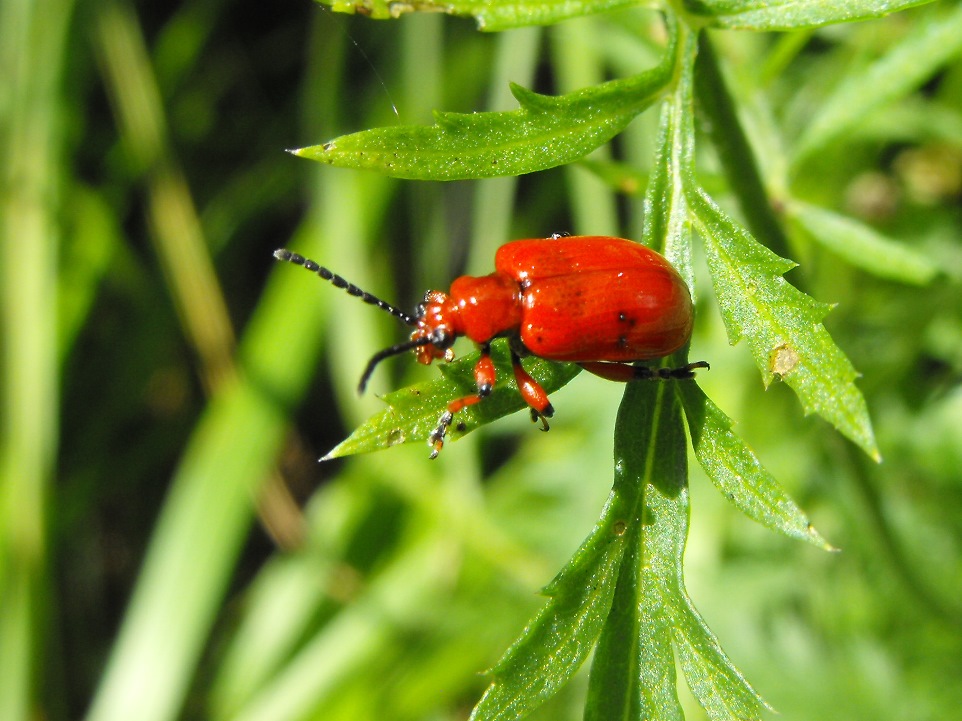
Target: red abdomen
{"points": [[595, 298]]}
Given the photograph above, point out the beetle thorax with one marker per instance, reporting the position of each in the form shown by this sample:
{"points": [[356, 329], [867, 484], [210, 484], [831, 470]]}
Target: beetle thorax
{"points": [[481, 308], [488, 306]]}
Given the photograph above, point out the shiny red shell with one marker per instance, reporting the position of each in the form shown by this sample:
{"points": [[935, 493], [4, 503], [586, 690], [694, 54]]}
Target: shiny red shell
{"points": [[576, 298]]}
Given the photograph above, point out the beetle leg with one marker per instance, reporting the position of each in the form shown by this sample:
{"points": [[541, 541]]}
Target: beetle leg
{"points": [[484, 377], [624, 372], [534, 395]]}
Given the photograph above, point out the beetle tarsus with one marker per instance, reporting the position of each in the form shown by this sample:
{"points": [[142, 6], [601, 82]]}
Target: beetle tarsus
{"points": [[436, 439], [626, 372], [684, 372], [543, 417]]}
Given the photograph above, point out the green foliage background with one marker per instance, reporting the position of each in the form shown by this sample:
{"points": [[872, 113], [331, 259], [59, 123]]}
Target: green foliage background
{"points": [[166, 388]]}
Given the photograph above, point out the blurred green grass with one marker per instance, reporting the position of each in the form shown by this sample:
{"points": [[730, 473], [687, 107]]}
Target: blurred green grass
{"points": [[169, 548]]}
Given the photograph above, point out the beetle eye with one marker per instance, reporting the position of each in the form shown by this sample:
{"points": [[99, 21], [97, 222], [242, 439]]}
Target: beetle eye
{"points": [[419, 311], [441, 339]]}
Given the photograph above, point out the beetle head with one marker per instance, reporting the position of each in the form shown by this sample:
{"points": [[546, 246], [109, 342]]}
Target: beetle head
{"points": [[435, 330]]}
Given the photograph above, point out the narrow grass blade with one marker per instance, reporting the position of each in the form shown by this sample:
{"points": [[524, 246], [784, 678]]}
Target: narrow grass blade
{"points": [[863, 246], [900, 71]]}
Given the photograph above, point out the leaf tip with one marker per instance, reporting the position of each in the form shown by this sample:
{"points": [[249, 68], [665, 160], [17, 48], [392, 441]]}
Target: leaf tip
{"points": [[864, 437], [313, 152], [818, 539], [330, 455], [530, 100]]}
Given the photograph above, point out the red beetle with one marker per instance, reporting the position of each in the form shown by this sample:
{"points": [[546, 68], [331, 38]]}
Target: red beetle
{"points": [[600, 302]]}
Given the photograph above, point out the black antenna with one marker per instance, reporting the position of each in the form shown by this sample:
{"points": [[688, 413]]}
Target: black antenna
{"points": [[387, 353], [352, 289]]}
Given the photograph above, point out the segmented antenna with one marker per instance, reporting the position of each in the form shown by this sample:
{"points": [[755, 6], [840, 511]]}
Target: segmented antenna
{"points": [[387, 353], [340, 282]]}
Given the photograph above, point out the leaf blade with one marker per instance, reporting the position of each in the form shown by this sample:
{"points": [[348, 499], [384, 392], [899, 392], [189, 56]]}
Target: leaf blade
{"points": [[555, 644], [781, 324], [491, 15], [863, 246], [632, 675], [667, 222], [413, 412], [737, 472], [636, 678], [793, 14], [720, 688], [544, 132]]}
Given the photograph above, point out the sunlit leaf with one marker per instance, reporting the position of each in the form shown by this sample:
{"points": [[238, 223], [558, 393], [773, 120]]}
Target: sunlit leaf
{"points": [[781, 324], [490, 14], [667, 221], [557, 641], [413, 412], [633, 675], [791, 14], [544, 132], [737, 473], [720, 688]]}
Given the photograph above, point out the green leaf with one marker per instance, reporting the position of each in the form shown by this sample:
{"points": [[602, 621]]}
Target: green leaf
{"points": [[791, 14], [737, 473], [781, 324], [413, 412], [900, 71], [544, 132], [863, 246], [633, 672], [633, 675], [492, 15], [719, 687], [555, 644]]}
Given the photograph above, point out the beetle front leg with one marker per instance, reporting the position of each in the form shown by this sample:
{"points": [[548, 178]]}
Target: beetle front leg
{"points": [[532, 392], [484, 377], [624, 372]]}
